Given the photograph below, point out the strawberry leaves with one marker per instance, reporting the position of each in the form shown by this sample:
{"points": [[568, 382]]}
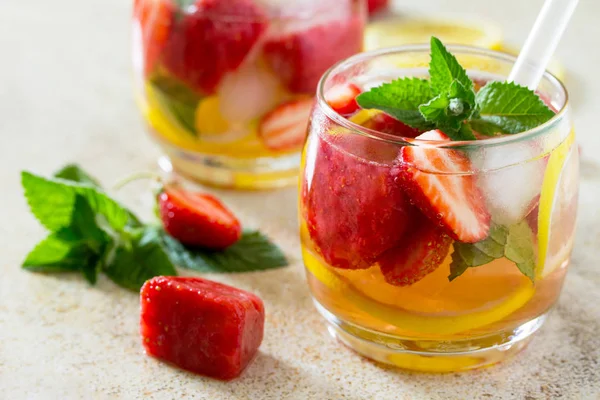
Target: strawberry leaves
{"points": [[447, 101]]}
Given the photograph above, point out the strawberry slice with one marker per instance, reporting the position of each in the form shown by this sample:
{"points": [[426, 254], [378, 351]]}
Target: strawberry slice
{"points": [[198, 219], [353, 211], [284, 128], [155, 18], [422, 253], [301, 54], [438, 182], [385, 123], [375, 6], [342, 98], [211, 40]]}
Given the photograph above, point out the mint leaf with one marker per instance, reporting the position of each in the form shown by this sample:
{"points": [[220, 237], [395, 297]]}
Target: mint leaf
{"points": [[506, 107], [468, 255], [134, 263], [59, 252], [445, 69], [435, 109], [179, 100], [73, 172], [515, 243], [401, 99], [253, 252], [76, 247], [519, 248], [52, 202]]}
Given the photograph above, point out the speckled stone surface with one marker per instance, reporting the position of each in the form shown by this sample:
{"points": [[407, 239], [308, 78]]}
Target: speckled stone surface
{"points": [[65, 95]]}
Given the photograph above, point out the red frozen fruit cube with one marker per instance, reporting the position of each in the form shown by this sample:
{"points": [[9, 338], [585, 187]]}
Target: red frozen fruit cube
{"points": [[202, 326]]}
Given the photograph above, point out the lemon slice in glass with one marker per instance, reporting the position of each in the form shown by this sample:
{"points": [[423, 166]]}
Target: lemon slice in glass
{"points": [[553, 175], [440, 324]]}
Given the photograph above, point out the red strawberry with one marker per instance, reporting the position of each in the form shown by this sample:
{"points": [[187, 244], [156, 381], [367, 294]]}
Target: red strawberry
{"points": [[353, 210], [300, 55], [342, 98], [155, 18], [438, 182], [211, 40], [201, 326], [375, 6], [385, 123], [421, 253], [284, 128], [198, 219]]}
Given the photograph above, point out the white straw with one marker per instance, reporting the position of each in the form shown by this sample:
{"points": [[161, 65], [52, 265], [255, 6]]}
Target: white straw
{"points": [[541, 42]]}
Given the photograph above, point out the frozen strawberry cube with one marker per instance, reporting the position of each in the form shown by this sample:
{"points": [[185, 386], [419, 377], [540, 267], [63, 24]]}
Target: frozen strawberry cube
{"points": [[202, 326]]}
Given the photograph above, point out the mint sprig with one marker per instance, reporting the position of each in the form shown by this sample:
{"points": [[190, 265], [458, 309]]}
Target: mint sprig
{"points": [[253, 252], [401, 99], [447, 101], [514, 242], [92, 233]]}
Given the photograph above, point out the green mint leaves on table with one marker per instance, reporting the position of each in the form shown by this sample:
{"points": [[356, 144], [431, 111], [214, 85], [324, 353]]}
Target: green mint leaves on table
{"points": [[252, 252], [514, 242], [91, 233], [447, 101]]}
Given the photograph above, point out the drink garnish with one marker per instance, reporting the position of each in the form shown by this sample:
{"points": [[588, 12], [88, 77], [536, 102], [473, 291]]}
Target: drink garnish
{"points": [[91, 233], [447, 101]]}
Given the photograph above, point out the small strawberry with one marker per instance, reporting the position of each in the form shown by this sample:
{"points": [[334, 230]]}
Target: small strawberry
{"points": [[301, 54], [342, 98], [375, 6], [419, 255], [197, 219], [155, 18], [439, 182], [212, 38], [284, 128], [385, 123]]}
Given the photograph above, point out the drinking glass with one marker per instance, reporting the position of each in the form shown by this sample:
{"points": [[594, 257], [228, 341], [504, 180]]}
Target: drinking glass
{"points": [[360, 227], [226, 87]]}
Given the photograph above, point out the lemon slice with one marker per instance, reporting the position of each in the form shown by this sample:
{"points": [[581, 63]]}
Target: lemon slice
{"points": [[548, 200], [426, 324], [213, 127], [401, 31]]}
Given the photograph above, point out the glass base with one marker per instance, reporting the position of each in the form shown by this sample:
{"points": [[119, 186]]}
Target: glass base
{"points": [[431, 355], [233, 173]]}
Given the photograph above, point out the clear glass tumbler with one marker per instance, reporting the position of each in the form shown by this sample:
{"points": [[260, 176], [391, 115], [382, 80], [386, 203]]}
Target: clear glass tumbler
{"points": [[359, 225], [226, 87]]}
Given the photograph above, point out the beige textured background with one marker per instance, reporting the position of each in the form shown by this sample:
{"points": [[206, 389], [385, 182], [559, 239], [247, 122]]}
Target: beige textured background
{"points": [[65, 95]]}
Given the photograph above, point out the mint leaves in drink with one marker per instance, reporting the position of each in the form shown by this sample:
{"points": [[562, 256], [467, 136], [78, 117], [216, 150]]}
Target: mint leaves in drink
{"points": [[514, 242], [448, 101], [91, 233]]}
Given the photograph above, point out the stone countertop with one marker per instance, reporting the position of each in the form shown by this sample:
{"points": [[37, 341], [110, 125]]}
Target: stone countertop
{"points": [[66, 95]]}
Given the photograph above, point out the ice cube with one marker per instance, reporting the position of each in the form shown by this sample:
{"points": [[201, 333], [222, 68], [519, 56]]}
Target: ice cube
{"points": [[512, 182], [248, 93]]}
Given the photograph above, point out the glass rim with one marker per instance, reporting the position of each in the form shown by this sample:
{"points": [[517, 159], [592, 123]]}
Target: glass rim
{"points": [[463, 49], [299, 14]]}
